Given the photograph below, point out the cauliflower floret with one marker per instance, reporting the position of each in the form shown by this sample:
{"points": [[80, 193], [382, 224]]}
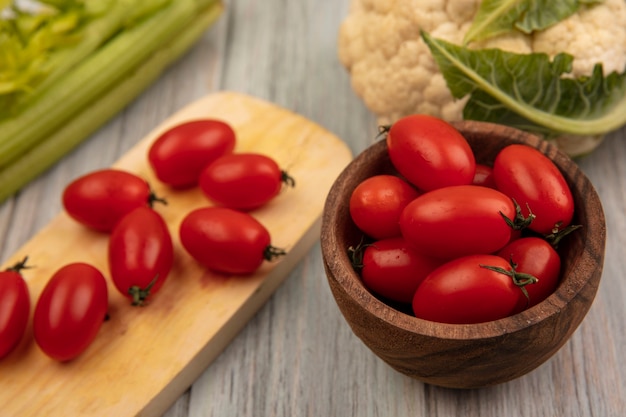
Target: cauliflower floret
{"points": [[596, 34], [391, 67], [394, 73]]}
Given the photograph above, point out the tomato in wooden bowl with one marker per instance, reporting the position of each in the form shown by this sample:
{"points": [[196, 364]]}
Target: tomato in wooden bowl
{"points": [[466, 355]]}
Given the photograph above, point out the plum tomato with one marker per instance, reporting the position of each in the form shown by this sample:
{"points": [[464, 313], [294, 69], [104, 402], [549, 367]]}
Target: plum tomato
{"points": [[14, 307], [140, 254], [484, 176], [534, 256], [70, 311], [377, 202], [464, 291], [430, 153], [534, 181], [393, 270], [226, 240], [459, 220], [101, 198], [243, 181], [179, 154]]}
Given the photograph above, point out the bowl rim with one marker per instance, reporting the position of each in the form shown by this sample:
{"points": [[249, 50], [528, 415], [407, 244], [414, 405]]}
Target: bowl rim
{"points": [[335, 260]]}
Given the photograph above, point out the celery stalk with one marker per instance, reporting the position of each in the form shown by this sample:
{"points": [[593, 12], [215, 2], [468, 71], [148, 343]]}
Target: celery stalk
{"points": [[92, 35], [94, 77], [53, 41], [90, 118]]}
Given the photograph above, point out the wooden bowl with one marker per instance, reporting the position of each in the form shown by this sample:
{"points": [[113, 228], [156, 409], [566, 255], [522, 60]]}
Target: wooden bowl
{"points": [[467, 355]]}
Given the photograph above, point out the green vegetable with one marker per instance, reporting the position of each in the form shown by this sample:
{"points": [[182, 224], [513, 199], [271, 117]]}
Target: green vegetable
{"points": [[100, 60], [496, 17], [530, 91]]}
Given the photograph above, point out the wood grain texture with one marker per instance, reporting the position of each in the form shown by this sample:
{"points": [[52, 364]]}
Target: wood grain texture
{"points": [[297, 356]]}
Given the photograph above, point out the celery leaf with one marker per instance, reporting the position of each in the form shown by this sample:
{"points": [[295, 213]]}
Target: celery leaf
{"points": [[41, 43], [530, 91], [497, 17]]}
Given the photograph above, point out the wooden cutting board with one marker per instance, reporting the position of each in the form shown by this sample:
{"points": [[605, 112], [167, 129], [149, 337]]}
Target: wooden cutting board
{"points": [[144, 358]]}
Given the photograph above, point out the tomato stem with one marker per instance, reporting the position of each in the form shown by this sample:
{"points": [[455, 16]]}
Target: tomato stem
{"points": [[356, 254], [271, 252], [383, 130], [154, 198], [555, 237], [287, 179], [520, 279], [140, 295], [519, 222], [19, 265]]}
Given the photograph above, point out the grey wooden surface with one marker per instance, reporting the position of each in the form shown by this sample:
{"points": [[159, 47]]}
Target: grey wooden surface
{"points": [[297, 356]]}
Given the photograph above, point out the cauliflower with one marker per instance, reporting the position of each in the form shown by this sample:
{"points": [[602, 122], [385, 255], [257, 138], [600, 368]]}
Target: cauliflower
{"points": [[393, 71]]}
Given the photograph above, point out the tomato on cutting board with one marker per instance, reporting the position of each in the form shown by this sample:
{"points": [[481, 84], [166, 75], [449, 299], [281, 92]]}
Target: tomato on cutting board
{"points": [[70, 311], [140, 254], [179, 154], [14, 307], [226, 240], [101, 198], [243, 181]]}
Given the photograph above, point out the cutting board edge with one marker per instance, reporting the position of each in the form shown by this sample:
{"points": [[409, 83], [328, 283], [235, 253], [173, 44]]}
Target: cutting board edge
{"points": [[207, 355]]}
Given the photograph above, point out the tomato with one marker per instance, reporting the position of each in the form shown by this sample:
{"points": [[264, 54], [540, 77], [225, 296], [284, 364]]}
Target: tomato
{"points": [[101, 198], [430, 153], [243, 181], [535, 256], [140, 254], [376, 204], [70, 311], [484, 176], [226, 240], [463, 291], [180, 153], [14, 308], [460, 220], [533, 180], [392, 269]]}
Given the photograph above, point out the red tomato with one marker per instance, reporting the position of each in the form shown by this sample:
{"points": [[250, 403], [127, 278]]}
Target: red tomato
{"points": [[535, 256], [226, 240], [243, 181], [532, 180], [101, 198], [484, 176], [392, 269], [462, 291], [180, 153], [430, 153], [140, 255], [455, 221], [14, 308], [70, 311], [376, 204]]}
